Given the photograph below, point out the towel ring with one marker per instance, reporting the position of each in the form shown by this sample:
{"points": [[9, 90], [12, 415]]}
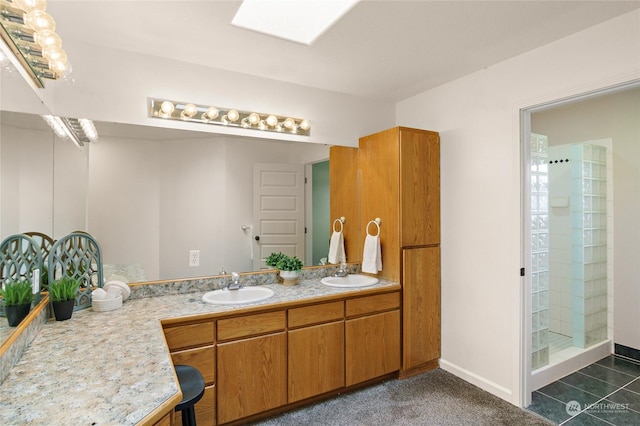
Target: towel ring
{"points": [[341, 221], [376, 222]]}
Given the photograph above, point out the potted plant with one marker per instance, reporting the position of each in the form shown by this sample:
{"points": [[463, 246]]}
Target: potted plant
{"points": [[17, 298], [63, 297], [289, 266]]}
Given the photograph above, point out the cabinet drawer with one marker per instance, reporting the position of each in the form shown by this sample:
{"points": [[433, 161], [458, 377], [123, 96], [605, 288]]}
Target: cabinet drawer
{"points": [[201, 358], [372, 304], [188, 336], [251, 325], [316, 314]]}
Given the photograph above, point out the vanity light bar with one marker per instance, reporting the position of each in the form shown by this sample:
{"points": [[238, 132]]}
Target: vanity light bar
{"points": [[80, 131], [28, 33], [182, 111]]}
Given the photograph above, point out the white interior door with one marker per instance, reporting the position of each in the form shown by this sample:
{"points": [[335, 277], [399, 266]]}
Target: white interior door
{"points": [[278, 211]]}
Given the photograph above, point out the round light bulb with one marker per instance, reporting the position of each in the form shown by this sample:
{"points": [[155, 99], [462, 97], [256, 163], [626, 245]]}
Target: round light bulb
{"points": [[189, 110], [54, 54], [254, 118], [29, 5], [47, 38], [289, 123], [212, 113], [39, 20], [59, 66], [167, 108], [272, 120], [305, 125], [262, 125], [233, 115]]}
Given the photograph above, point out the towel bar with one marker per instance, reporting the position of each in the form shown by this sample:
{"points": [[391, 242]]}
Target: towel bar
{"points": [[341, 220]]}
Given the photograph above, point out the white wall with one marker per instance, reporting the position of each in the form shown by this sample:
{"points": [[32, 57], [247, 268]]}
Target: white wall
{"points": [[617, 117], [560, 245], [123, 210], [26, 167], [70, 183], [150, 202], [478, 120]]}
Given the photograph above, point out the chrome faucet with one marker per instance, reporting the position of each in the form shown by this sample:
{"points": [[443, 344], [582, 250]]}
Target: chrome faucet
{"points": [[235, 282], [342, 270]]}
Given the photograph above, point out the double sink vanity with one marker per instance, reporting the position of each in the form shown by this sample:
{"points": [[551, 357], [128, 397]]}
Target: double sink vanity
{"points": [[280, 347], [305, 342]]}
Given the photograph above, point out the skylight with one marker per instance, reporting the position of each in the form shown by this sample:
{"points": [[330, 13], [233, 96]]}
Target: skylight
{"points": [[301, 21]]}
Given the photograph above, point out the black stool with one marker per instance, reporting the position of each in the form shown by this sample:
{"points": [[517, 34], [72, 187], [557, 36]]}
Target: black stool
{"points": [[192, 387]]}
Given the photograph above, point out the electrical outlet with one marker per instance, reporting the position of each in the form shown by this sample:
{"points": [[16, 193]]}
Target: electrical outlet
{"points": [[194, 257]]}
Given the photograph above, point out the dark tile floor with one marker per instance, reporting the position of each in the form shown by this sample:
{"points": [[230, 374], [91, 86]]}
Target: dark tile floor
{"points": [[604, 393]]}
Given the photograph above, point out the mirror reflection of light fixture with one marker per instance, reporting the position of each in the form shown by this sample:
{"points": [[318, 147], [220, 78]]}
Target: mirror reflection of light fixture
{"points": [[184, 111], [28, 33], [78, 130]]}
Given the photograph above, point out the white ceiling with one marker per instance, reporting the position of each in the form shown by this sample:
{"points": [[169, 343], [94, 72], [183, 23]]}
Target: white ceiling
{"points": [[385, 50]]}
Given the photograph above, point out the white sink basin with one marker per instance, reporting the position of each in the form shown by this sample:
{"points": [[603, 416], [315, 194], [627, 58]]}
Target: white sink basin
{"points": [[235, 297], [351, 280]]}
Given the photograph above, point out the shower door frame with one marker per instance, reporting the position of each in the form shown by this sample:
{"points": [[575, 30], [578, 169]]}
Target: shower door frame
{"points": [[528, 384]]}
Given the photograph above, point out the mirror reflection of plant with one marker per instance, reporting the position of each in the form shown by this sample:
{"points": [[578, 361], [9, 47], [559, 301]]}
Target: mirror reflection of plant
{"points": [[16, 293], [283, 262], [64, 289]]}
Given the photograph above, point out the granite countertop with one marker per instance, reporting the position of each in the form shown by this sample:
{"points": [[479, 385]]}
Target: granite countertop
{"points": [[113, 368]]}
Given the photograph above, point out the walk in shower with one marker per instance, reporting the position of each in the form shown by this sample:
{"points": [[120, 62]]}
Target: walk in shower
{"points": [[568, 248]]}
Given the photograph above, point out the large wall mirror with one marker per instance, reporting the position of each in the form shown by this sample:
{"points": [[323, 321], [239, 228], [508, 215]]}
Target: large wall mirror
{"points": [[151, 196]]}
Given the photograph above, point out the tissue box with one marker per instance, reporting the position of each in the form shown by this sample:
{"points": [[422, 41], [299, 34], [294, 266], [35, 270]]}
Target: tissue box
{"points": [[107, 305]]}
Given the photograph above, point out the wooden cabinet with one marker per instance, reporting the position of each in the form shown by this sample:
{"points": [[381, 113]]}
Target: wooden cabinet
{"points": [[252, 371], [343, 193], [421, 307], [400, 183], [316, 352], [268, 359], [193, 344], [373, 340]]}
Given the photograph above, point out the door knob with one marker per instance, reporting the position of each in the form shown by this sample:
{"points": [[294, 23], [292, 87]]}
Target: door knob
{"points": [[257, 237]]}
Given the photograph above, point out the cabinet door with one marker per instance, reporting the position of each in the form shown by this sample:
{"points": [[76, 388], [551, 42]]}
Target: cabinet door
{"points": [[419, 187], [343, 193], [421, 306], [252, 376], [316, 360], [205, 409], [379, 196], [372, 346]]}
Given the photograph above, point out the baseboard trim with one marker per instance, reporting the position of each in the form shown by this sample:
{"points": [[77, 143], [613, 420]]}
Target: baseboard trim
{"points": [[479, 381], [627, 352]]}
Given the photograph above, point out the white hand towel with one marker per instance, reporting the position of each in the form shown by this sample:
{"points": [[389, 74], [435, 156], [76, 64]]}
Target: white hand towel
{"points": [[372, 255], [336, 248]]}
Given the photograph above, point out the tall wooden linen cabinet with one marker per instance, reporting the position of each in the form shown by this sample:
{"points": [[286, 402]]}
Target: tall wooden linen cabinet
{"points": [[399, 182]]}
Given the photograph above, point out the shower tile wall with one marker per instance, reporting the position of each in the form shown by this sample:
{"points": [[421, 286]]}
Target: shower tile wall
{"points": [[539, 252], [560, 264], [589, 219]]}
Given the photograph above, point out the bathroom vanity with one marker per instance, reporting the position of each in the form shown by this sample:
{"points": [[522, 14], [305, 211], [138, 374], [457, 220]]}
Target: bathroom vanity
{"points": [[266, 359], [307, 342]]}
